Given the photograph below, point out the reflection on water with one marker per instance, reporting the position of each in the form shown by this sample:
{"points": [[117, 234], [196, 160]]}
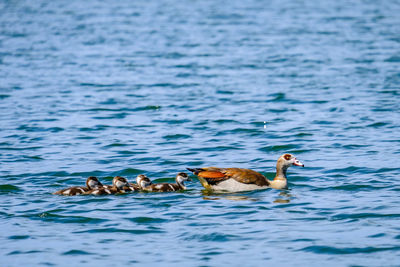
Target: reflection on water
{"points": [[217, 195], [284, 197], [230, 197]]}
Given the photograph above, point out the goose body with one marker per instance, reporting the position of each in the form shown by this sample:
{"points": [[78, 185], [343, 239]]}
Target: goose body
{"points": [[239, 179], [91, 184], [146, 185]]}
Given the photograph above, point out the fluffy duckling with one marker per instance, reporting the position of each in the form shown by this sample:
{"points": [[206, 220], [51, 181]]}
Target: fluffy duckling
{"points": [[168, 187], [143, 181], [92, 183], [122, 184], [119, 185]]}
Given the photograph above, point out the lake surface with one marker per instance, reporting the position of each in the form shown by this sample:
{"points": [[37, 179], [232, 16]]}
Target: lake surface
{"points": [[105, 88]]}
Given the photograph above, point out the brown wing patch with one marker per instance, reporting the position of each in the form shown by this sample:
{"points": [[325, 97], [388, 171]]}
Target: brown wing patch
{"points": [[212, 177], [247, 176], [211, 174]]}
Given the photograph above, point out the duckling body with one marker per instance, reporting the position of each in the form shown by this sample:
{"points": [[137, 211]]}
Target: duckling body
{"points": [[72, 191], [168, 187], [103, 191], [120, 185], [239, 179], [135, 187], [91, 184]]}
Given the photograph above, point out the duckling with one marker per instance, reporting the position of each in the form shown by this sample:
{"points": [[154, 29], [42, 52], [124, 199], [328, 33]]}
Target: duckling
{"points": [[143, 181], [120, 185], [168, 187], [92, 183]]}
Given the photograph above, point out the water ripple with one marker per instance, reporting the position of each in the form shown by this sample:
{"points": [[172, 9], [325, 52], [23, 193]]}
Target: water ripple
{"points": [[107, 88], [348, 250]]}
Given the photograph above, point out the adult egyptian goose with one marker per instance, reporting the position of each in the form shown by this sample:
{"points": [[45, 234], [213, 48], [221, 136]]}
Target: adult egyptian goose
{"points": [[237, 179], [168, 187], [91, 183], [119, 185]]}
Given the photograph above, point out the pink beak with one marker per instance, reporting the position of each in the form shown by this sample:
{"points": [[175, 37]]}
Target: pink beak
{"points": [[298, 163]]}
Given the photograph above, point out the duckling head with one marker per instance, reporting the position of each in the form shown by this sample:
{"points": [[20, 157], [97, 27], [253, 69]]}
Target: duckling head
{"points": [[119, 182], [143, 181], [92, 183], [182, 177]]}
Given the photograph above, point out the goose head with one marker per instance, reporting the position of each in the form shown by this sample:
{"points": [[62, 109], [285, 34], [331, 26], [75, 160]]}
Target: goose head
{"points": [[292, 160], [287, 160]]}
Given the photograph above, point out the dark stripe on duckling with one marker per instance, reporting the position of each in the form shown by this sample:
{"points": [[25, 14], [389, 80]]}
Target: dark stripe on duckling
{"points": [[120, 185], [169, 187], [91, 183]]}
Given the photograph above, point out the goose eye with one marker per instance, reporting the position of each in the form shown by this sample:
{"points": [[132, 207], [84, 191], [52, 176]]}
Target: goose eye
{"points": [[287, 156]]}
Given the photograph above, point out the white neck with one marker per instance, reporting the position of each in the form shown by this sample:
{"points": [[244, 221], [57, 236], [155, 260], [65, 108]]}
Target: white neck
{"points": [[144, 184], [278, 183], [179, 182], [280, 180]]}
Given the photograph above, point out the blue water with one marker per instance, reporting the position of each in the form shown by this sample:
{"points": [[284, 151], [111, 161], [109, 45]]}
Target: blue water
{"points": [[109, 88]]}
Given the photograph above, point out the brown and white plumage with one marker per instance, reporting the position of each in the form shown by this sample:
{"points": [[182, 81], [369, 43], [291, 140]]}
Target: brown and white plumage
{"points": [[91, 183], [239, 179], [181, 177], [119, 185], [143, 181]]}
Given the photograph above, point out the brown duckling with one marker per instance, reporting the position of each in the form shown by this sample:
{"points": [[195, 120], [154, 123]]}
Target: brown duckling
{"points": [[119, 185], [143, 181], [169, 187], [91, 184]]}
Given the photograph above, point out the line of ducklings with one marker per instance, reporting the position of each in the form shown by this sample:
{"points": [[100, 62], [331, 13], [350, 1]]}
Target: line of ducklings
{"points": [[121, 185]]}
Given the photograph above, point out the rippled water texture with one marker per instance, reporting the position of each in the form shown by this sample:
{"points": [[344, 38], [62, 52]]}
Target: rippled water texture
{"points": [[109, 88]]}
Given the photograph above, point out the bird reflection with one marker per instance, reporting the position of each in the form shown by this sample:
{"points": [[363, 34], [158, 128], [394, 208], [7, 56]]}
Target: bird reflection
{"points": [[283, 197], [215, 195]]}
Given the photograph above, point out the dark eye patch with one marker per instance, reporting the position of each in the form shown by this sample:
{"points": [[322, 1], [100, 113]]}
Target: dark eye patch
{"points": [[287, 156]]}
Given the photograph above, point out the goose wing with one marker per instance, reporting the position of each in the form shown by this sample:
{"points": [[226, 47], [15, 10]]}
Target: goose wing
{"points": [[215, 175]]}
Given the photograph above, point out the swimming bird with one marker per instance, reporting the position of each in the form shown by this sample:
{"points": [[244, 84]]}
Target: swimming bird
{"points": [[136, 186], [238, 179], [169, 187], [119, 185], [91, 184], [143, 181]]}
